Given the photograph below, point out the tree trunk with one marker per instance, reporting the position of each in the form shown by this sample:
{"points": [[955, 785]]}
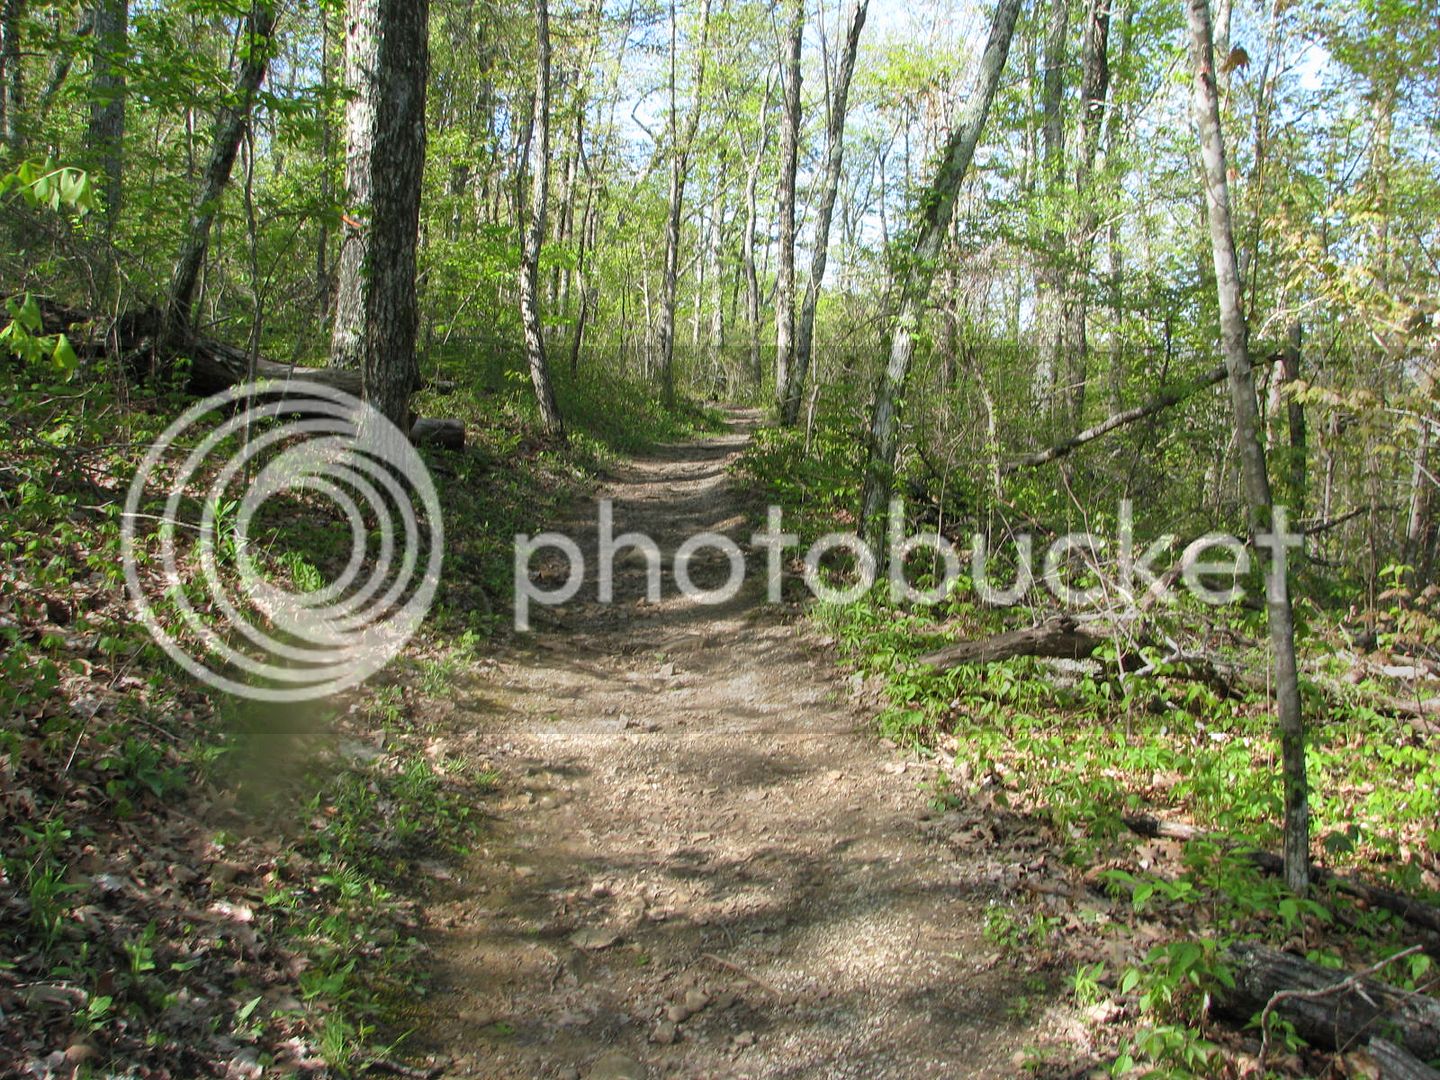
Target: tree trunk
{"points": [[386, 65], [1287, 416], [12, 77], [937, 205], [1420, 525], [1094, 88], [1223, 10], [680, 145], [230, 128], [1049, 279], [747, 242], [1397, 1064], [582, 280], [107, 100], [785, 197], [835, 143], [361, 83], [1117, 134], [1233, 336], [537, 147], [322, 238]]}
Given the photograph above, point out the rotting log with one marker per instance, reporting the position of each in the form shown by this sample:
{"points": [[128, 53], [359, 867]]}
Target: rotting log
{"points": [[445, 434], [216, 366], [1058, 637], [1324, 1015], [212, 366], [1416, 912]]}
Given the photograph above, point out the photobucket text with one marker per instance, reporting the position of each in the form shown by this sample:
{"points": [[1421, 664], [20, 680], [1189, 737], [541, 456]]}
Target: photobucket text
{"points": [[1079, 569]]}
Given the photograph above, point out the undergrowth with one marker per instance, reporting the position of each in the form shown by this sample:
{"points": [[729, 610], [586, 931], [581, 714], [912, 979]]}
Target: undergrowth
{"points": [[194, 885], [1070, 752]]}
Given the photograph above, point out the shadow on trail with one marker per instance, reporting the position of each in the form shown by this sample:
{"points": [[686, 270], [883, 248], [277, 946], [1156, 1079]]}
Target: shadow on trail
{"points": [[692, 811]]}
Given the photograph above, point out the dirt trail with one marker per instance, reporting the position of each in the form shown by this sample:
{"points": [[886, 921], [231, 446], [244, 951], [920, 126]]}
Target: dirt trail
{"points": [[703, 865]]}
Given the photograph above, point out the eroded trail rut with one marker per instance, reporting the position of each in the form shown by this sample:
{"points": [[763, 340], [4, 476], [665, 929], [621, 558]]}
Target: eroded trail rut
{"points": [[702, 865]]}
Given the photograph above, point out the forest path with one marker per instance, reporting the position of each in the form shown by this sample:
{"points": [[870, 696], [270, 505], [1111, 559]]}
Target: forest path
{"points": [[701, 864]]}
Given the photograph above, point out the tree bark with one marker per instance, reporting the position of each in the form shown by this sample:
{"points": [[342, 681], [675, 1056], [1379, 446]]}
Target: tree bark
{"points": [[1336, 1020], [107, 100], [582, 280], [937, 206], [785, 197], [538, 150], [1397, 1064], [386, 65], [230, 126], [1234, 343], [362, 85], [835, 145], [12, 77]]}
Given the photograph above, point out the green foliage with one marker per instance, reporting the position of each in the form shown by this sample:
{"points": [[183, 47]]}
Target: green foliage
{"points": [[45, 185], [816, 480]]}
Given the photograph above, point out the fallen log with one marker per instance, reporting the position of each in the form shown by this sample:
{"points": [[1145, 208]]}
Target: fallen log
{"points": [[1165, 399], [1416, 912], [212, 365], [1331, 1010], [445, 434], [1395, 1064], [216, 366], [1058, 637]]}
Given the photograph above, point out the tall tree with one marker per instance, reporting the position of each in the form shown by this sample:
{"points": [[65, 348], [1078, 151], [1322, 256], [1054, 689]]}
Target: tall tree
{"points": [[1234, 343], [386, 64], [12, 77], [1050, 278], [327, 184], [830, 185], [107, 98], [1094, 87], [747, 238], [917, 272], [538, 147], [789, 162], [681, 143], [230, 127]]}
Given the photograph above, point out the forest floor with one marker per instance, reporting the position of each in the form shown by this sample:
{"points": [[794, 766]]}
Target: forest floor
{"points": [[702, 862]]}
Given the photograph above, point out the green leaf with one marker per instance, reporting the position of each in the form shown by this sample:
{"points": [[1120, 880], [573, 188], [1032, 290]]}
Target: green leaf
{"points": [[64, 356], [29, 315]]}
